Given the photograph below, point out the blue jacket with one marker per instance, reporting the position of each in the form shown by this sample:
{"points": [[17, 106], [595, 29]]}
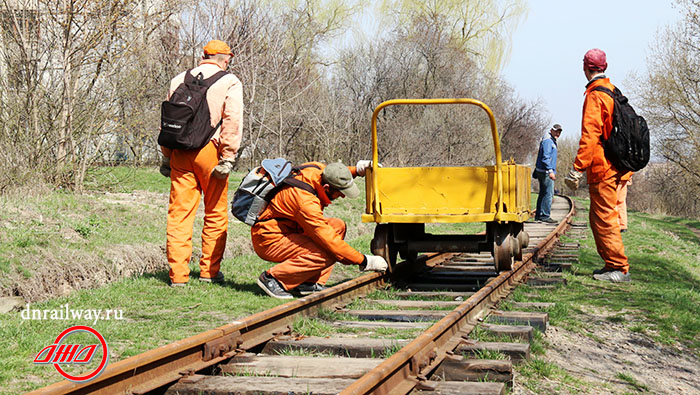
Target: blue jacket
{"points": [[547, 155]]}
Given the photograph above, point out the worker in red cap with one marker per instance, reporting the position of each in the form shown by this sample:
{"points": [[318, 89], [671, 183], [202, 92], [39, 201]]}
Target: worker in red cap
{"points": [[603, 178], [204, 171]]}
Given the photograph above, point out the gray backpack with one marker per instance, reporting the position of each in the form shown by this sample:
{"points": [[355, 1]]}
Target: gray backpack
{"points": [[261, 184]]}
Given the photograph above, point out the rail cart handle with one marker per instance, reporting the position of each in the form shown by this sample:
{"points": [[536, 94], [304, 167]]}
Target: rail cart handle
{"points": [[494, 134]]}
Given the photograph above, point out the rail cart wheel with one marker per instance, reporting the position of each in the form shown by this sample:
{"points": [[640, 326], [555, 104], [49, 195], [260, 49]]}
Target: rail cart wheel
{"points": [[383, 244], [502, 247], [522, 236], [520, 240]]}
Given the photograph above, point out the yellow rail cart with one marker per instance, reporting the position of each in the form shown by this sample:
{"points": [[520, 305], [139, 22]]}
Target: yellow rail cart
{"points": [[401, 200]]}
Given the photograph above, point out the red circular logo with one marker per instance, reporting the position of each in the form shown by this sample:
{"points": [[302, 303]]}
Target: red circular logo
{"points": [[58, 354]]}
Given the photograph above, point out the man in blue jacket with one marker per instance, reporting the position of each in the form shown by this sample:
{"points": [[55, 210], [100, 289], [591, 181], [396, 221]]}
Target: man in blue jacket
{"points": [[546, 173]]}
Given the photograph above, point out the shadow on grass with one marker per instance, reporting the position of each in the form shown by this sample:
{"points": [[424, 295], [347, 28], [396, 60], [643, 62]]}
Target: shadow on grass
{"points": [[164, 277]]}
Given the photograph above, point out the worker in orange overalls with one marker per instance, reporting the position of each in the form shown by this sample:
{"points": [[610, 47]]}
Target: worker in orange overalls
{"points": [[293, 232], [204, 171], [622, 200], [603, 178]]}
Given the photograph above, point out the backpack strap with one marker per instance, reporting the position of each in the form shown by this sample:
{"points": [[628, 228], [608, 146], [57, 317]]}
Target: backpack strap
{"points": [[291, 181], [200, 80], [211, 80], [610, 93], [302, 167], [603, 89]]}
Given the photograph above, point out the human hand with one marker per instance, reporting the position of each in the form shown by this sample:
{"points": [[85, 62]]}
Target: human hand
{"points": [[362, 166], [222, 169], [573, 178], [165, 167], [374, 263], [552, 176]]}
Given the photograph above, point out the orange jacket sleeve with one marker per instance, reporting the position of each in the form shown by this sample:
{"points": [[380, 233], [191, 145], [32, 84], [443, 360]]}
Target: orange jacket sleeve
{"points": [[309, 215], [592, 128]]}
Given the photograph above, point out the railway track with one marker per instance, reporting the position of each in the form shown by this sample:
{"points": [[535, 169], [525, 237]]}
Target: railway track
{"points": [[441, 297]]}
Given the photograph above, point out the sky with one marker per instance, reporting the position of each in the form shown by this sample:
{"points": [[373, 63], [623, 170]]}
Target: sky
{"points": [[546, 60]]}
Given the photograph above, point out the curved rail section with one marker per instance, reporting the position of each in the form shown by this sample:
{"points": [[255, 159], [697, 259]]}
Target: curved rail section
{"points": [[408, 367], [400, 373]]}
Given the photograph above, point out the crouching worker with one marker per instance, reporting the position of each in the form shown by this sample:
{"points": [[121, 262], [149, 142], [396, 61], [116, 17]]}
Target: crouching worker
{"points": [[293, 232]]}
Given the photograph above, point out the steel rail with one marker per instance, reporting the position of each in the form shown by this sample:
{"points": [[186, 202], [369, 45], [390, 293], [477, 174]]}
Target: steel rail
{"points": [[158, 367], [407, 368], [403, 371]]}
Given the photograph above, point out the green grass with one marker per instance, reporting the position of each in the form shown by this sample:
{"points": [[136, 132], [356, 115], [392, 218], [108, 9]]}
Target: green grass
{"points": [[61, 228], [663, 299], [486, 354], [127, 208], [632, 381], [662, 302], [126, 179]]}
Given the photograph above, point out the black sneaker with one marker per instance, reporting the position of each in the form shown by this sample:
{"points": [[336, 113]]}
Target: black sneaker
{"points": [[308, 288], [549, 220], [273, 287], [219, 278], [605, 269]]}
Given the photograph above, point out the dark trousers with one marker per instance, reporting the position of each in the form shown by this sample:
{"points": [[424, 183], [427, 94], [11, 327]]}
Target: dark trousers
{"points": [[544, 199]]}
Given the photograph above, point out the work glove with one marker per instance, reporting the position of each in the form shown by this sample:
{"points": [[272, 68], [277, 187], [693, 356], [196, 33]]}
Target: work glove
{"points": [[373, 263], [573, 178], [222, 169], [362, 166], [165, 167]]}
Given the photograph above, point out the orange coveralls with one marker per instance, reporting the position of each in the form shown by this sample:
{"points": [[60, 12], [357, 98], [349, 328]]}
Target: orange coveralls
{"points": [[603, 177], [293, 232], [191, 177]]}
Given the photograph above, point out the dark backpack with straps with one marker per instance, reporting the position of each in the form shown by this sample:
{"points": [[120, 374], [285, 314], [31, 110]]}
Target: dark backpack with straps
{"points": [[262, 184], [628, 145], [185, 122]]}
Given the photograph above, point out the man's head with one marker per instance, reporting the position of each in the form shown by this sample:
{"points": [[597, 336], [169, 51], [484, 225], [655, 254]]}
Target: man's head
{"points": [[594, 62], [556, 130], [218, 51], [337, 181]]}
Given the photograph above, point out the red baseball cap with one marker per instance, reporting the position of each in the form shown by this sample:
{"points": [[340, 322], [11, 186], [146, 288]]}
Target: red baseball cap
{"points": [[595, 60], [214, 47]]}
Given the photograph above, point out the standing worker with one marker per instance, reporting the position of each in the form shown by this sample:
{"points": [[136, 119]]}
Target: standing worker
{"points": [[546, 173], [293, 232], [194, 172], [603, 177]]}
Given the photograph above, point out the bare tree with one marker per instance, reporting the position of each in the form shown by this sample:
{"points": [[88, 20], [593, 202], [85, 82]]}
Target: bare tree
{"points": [[670, 94]]}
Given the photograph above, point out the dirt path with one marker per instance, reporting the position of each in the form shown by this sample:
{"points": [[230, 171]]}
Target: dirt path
{"points": [[607, 350]]}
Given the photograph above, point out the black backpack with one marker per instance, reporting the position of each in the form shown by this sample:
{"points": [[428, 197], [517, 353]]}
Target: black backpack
{"points": [[185, 122], [628, 145]]}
